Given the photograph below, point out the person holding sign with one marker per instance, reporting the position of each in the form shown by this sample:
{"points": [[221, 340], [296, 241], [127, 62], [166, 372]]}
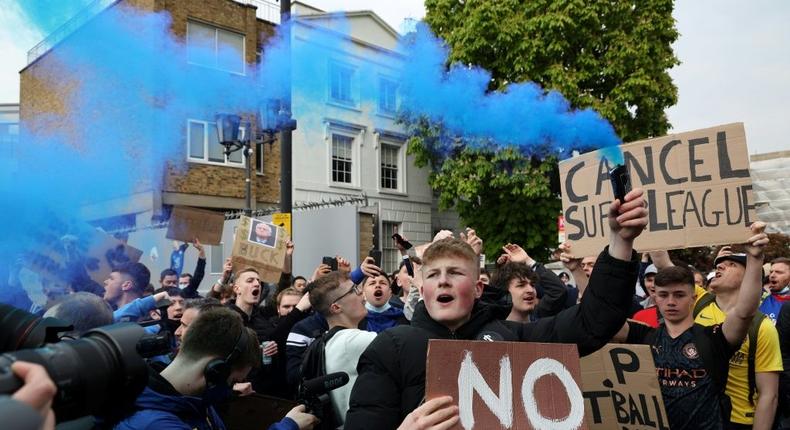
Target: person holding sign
{"points": [[692, 360], [391, 381]]}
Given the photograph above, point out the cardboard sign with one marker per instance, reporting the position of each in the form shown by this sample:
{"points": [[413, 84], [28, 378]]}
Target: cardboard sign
{"points": [[99, 253], [261, 245], [621, 389], [697, 185], [187, 223], [509, 385]]}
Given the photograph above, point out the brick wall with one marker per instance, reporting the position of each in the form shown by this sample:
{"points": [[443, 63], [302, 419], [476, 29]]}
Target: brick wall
{"points": [[45, 87]]}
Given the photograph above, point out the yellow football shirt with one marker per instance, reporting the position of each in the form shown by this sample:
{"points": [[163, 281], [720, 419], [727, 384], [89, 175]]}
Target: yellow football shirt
{"points": [[769, 359]]}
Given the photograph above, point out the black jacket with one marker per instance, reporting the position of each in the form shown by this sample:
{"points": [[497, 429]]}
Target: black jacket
{"points": [[191, 291], [391, 381]]}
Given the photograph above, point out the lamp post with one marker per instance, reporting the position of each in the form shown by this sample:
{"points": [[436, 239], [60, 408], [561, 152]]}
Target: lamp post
{"points": [[286, 172], [229, 132]]}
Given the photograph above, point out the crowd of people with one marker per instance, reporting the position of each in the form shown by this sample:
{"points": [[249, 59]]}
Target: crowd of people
{"points": [[720, 341]]}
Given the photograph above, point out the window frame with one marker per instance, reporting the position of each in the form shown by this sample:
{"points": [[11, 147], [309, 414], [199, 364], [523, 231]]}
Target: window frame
{"points": [[205, 159], [216, 65], [353, 89], [388, 249], [382, 110], [398, 141], [357, 134]]}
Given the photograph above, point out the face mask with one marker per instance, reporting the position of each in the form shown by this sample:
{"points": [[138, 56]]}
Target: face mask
{"points": [[183, 285]]}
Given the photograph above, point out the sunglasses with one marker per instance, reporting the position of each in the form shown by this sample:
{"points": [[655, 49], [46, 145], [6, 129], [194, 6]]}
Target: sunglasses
{"points": [[354, 289]]}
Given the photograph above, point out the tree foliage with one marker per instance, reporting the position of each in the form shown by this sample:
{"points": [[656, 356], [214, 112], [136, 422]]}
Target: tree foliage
{"points": [[612, 56]]}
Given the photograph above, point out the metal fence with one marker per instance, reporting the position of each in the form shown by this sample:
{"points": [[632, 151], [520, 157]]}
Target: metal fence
{"points": [[69, 27], [268, 10]]}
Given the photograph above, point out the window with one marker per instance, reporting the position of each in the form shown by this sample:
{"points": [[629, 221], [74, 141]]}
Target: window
{"points": [[388, 96], [389, 166], [390, 255], [342, 156], [214, 47], [259, 158], [204, 145], [341, 79], [217, 259]]}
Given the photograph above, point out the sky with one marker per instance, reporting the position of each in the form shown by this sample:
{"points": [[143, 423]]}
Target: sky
{"points": [[735, 59]]}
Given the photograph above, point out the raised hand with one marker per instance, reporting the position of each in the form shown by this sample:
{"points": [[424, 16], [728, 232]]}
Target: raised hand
{"points": [[369, 267], [473, 240], [759, 240], [629, 219]]}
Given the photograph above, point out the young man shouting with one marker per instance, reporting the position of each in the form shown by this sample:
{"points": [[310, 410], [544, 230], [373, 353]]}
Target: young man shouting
{"points": [[692, 360], [391, 381]]}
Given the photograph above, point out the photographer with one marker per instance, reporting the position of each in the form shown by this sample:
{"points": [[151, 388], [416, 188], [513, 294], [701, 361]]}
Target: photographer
{"points": [[216, 352]]}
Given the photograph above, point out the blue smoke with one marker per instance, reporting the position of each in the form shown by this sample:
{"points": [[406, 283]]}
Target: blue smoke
{"points": [[122, 122], [523, 114]]}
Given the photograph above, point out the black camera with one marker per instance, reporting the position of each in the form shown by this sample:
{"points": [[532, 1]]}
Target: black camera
{"points": [[314, 394], [101, 374]]}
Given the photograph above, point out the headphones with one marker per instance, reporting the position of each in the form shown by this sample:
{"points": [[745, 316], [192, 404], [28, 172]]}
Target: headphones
{"points": [[217, 370]]}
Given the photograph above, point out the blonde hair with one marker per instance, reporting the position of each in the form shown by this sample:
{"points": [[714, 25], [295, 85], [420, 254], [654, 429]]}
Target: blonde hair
{"points": [[451, 248]]}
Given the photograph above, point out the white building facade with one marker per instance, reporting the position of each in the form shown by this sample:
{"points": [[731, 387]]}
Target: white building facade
{"points": [[348, 142]]}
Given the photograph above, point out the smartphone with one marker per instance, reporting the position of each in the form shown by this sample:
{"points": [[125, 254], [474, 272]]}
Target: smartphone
{"points": [[376, 254], [621, 182], [331, 262], [401, 241]]}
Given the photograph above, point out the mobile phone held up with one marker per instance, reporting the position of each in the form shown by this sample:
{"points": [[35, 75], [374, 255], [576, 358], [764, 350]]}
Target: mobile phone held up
{"points": [[621, 182], [376, 255], [331, 262], [405, 244]]}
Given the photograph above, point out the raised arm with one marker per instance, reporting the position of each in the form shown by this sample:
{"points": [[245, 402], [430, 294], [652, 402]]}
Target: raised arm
{"points": [[573, 264], [607, 302], [737, 323]]}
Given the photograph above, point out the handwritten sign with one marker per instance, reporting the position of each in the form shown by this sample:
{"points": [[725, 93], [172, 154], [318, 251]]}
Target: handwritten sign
{"points": [[697, 183], [621, 389], [188, 223], [510, 385], [260, 245]]}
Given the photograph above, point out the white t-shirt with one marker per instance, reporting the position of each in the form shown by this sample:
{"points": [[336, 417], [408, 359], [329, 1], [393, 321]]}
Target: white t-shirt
{"points": [[342, 354]]}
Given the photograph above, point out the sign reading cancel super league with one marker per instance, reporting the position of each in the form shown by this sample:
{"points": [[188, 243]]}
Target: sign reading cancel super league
{"points": [[697, 185]]}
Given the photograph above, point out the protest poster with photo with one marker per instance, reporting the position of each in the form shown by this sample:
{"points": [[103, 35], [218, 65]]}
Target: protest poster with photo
{"points": [[697, 185], [105, 253], [187, 223], [261, 245], [514, 385], [621, 389]]}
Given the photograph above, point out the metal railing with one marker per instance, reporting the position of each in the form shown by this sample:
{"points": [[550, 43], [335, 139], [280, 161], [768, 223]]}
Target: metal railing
{"points": [[67, 28], [268, 10]]}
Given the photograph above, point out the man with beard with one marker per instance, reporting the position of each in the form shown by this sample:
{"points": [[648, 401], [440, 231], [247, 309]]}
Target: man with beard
{"points": [[779, 284]]}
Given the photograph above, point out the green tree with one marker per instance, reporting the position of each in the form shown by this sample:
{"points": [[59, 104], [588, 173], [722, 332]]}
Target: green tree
{"points": [[611, 56]]}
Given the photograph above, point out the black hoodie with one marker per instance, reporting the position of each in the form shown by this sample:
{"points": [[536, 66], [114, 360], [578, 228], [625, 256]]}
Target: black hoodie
{"points": [[391, 380]]}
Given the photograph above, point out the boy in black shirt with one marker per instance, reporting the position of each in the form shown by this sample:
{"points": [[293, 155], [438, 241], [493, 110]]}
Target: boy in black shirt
{"points": [[692, 360]]}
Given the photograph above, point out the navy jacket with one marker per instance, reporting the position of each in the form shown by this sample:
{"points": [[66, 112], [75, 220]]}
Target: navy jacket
{"points": [[161, 407]]}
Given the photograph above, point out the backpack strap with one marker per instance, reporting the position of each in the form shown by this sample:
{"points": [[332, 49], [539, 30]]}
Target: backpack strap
{"points": [[703, 302], [754, 331]]}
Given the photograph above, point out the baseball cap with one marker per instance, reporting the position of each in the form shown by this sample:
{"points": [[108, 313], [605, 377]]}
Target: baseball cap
{"points": [[651, 270], [739, 258]]}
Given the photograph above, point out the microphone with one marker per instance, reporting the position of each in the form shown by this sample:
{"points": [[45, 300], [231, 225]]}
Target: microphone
{"points": [[324, 384]]}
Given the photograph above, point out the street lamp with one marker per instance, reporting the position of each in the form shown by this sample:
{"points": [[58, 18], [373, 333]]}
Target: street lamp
{"points": [[229, 132]]}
